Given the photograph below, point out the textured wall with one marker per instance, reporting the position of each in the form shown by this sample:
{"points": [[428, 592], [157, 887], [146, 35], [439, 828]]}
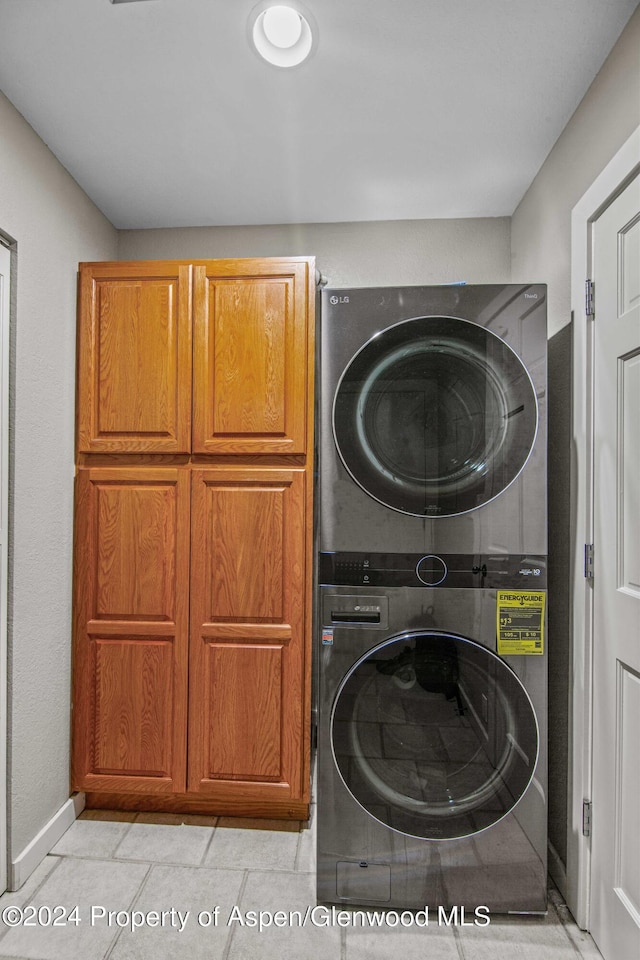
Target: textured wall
{"points": [[541, 249], [387, 253], [604, 120], [55, 225]]}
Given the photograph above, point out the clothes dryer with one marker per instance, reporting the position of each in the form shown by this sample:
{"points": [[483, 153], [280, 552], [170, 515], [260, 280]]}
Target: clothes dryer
{"points": [[431, 604], [432, 773], [432, 419]]}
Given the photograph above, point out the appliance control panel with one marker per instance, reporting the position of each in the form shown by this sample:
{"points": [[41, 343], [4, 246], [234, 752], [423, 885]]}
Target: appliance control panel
{"points": [[340, 610], [493, 572], [431, 570]]}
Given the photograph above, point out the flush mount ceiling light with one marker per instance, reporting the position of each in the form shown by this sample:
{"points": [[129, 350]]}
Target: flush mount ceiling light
{"points": [[282, 33]]}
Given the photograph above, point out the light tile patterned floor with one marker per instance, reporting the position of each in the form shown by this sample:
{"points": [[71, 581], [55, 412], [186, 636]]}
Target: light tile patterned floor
{"points": [[202, 881]]}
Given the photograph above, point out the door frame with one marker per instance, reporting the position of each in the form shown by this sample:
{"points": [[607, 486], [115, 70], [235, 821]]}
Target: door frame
{"points": [[609, 183], [5, 346]]}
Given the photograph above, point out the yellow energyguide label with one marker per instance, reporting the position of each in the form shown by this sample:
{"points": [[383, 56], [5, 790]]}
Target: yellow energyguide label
{"points": [[520, 622]]}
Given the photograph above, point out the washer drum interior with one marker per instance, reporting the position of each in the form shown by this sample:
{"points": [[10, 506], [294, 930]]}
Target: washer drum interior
{"points": [[434, 735], [435, 416]]}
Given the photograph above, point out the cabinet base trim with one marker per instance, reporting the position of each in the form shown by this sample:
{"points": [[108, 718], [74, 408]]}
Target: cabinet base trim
{"points": [[271, 810]]}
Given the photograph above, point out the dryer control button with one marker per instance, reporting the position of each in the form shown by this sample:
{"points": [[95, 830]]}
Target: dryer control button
{"points": [[431, 570]]}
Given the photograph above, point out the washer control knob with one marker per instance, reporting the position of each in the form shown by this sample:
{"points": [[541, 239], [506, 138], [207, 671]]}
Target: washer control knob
{"points": [[431, 570]]}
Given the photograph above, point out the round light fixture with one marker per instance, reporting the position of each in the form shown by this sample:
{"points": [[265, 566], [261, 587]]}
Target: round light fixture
{"points": [[281, 33], [282, 26]]}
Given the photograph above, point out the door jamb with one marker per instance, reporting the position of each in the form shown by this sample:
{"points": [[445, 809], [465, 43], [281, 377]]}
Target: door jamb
{"points": [[5, 346], [610, 182]]}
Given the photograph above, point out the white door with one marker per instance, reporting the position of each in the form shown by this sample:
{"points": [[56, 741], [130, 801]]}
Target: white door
{"points": [[4, 513], [615, 864]]}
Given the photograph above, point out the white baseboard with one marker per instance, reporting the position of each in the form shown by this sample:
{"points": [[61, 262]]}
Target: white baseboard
{"points": [[34, 853], [557, 870]]}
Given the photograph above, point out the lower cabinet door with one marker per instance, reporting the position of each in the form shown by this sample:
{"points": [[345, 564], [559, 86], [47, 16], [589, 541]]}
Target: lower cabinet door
{"points": [[247, 657], [131, 629]]}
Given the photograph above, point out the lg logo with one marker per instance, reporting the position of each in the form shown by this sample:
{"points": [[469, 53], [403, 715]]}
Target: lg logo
{"points": [[333, 300]]}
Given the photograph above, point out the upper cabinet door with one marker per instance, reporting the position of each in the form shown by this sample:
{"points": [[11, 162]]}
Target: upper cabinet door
{"points": [[134, 358], [253, 355]]}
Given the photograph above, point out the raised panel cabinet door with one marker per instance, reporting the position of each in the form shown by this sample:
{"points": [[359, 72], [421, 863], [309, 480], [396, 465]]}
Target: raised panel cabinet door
{"points": [[134, 358], [248, 699], [131, 609], [253, 355]]}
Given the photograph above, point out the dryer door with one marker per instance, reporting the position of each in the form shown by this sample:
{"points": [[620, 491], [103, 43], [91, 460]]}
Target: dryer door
{"points": [[435, 416], [434, 735]]}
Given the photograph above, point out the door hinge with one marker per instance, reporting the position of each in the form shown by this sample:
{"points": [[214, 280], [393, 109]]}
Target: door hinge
{"points": [[588, 561], [586, 818], [588, 299]]}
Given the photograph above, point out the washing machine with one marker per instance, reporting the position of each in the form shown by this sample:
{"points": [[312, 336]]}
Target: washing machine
{"points": [[431, 639], [432, 745], [432, 419]]}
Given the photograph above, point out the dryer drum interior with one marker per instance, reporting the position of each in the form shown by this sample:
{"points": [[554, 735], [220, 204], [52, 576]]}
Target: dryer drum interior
{"points": [[434, 735], [435, 416]]}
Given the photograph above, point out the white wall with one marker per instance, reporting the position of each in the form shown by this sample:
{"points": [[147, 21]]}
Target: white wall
{"points": [[55, 225], [541, 249], [349, 254], [604, 120]]}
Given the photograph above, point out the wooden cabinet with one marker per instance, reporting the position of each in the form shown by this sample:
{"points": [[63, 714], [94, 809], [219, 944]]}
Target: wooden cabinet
{"points": [[192, 604], [134, 358], [249, 320], [250, 333], [247, 655], [131, 616]]}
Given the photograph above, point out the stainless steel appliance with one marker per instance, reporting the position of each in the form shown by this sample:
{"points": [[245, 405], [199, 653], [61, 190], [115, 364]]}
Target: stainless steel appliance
{"points": [[431, 605], [432, 419], [432, 748]]}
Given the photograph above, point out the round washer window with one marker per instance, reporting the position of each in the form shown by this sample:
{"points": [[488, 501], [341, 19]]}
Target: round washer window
{"points": [[435, 416], [434, 735]]}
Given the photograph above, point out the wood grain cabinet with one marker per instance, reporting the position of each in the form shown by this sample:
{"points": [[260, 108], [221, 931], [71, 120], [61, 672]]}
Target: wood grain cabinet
{"points": [[134, 358], [249, 323], [192, 595], [250, 333], [131, 616], [246, 722]]}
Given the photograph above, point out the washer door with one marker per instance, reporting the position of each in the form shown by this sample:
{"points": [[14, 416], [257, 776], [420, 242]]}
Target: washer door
{"points": [[434, 735], [435, 416]]}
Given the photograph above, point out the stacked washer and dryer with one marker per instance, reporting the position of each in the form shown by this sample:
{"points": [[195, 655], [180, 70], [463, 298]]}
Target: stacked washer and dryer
{"points": [[432, 539]]}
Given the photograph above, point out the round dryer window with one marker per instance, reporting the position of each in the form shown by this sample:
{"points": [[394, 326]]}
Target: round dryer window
{"points": [[434, 735], [435, 416]]}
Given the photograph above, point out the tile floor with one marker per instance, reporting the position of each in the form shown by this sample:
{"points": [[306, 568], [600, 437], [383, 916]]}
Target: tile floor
{"points": [[207, 875]]}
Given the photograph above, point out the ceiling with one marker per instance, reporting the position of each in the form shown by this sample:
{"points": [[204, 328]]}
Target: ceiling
{"points": [[407, 108]]}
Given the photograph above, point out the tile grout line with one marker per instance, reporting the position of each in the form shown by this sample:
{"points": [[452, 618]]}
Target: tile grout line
{"points": [[296, 859], [14, 956], [123, 838], [459, 944], [301, 834], [228, 944], [34, 894], [565, 926], [132, 902], [208, 846], [343, 944], [151, 863]]}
